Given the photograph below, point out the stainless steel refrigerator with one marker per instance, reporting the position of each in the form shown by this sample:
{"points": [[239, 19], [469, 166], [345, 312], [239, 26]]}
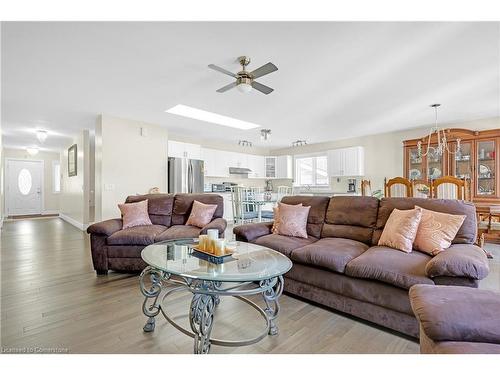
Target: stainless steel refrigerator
{"points": [[185, 175]]}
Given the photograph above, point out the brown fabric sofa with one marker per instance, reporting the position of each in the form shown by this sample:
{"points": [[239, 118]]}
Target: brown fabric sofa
{"points": [[457, 320], [340, 265], [114, 248]]}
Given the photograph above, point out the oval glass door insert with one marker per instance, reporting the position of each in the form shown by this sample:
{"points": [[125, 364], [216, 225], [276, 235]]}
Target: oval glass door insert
{"points": [[24, 181]]}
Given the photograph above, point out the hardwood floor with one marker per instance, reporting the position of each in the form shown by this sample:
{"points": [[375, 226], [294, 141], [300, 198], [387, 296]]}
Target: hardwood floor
{"points": [[52, 300]]}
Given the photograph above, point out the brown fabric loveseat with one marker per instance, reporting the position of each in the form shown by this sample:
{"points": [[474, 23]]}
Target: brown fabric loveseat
{"points": [[340, 265], [114, 248]]}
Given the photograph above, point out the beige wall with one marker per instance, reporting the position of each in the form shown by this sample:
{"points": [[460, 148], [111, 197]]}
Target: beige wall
{"points": [[50, 199], [383, 152], [126, 162], [72, 205]]}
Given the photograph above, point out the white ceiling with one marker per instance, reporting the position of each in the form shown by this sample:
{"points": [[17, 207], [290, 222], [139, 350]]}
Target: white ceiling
{"points": [[335, 79]]}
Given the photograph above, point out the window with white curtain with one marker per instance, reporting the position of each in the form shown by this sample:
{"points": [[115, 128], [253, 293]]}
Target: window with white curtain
{"points": [[56, 177], [311, 170]]}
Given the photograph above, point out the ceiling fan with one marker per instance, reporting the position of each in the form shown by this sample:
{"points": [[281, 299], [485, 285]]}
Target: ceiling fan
{"points": [[245, 80]]}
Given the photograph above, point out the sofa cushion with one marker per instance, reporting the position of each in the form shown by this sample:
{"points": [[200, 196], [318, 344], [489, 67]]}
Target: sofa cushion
{"points": [[183, 203], [284, 244], [393, 267], [456, 313], [178, 231], [140, 235], [467, 232], [159, 207], [329, 253], [351, 217], [317, 212]]}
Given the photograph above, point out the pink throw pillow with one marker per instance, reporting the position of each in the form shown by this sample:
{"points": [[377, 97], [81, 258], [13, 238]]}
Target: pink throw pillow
{"points": [[401, 229], [201, 214], [275, 227], [291, 220], [134, 214], [436, 231]]}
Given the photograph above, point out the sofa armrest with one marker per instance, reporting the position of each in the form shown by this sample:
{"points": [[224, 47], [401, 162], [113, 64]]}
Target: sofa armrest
{"points": [[250, 232], [107, 227], [460, 260], [218, 223]]}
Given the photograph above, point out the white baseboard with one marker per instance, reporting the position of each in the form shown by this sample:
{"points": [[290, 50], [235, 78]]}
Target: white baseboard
{"points": [[73, 222], [50, 212]]}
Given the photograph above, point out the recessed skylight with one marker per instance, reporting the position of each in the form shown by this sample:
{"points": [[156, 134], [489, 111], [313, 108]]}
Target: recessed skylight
{"points": [[214, 118]]}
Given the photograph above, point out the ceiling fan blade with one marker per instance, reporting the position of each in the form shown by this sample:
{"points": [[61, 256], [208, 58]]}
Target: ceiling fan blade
{"points": [[263, 70], [222, 70], [227, 87], [262, 88]]}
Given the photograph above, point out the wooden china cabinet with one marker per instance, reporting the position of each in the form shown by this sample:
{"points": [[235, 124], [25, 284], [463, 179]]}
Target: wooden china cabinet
{"points": [[477, 160]]}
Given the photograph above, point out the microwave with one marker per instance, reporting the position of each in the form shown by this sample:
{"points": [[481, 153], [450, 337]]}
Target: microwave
{"points": [[218, 188]]}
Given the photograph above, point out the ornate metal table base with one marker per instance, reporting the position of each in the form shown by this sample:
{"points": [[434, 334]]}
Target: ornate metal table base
{"points": [[206, 297]]}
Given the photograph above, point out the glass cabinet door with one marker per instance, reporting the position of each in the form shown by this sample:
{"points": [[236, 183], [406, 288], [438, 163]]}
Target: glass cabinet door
{"points": [[435, 165], [486, 168], [415, 165], [461, 165]]}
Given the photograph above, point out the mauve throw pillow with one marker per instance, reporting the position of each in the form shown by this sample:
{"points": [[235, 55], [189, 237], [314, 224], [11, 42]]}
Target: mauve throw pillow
{"points": [[401, 229], [135, 214], [436, 231], [201, 214], [291, 220], [274, 229]]}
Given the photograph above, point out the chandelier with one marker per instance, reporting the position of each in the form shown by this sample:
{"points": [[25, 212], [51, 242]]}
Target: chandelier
{"points": [[442, 141], [265, 134]]}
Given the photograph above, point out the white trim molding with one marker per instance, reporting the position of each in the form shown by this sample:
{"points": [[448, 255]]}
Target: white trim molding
{"points": [[73, 222]]}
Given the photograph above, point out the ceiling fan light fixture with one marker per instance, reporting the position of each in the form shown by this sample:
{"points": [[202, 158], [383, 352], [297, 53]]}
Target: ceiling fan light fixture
{"points": [[244, 87], [32, 150]]}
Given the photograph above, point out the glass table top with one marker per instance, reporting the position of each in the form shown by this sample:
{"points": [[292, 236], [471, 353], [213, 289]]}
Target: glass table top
{"points": [[250, 262]]}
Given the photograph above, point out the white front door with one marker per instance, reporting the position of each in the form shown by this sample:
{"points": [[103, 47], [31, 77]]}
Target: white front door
{"points": [[24, 187]]}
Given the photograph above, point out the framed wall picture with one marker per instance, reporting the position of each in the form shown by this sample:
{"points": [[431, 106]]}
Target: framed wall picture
{"points": [[72, 157]]}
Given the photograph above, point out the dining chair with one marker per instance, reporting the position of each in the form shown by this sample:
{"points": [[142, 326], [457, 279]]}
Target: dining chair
{"points": [[448, 187], [283, 191], [366, 188], [244, 207], [421, 188], [397, 187]]}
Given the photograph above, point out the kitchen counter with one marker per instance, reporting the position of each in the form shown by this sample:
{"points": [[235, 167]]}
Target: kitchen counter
{"points": [[328, 193]]}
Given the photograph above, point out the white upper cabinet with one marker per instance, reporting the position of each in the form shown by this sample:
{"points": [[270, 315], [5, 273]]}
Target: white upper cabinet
{"points": [[257, 166], [349, 162], [216, 162], [270, 165], [184, 150], [284, 166]]}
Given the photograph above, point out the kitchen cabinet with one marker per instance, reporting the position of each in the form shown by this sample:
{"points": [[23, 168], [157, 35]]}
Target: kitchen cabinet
{"points": [[270, 166], [216, 162], [284, 166], [349, 162], [228, 206], [184, 150], [257, 166]]}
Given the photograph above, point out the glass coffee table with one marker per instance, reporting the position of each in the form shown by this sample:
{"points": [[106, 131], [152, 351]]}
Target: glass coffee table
{"points": [[174, 266]]}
